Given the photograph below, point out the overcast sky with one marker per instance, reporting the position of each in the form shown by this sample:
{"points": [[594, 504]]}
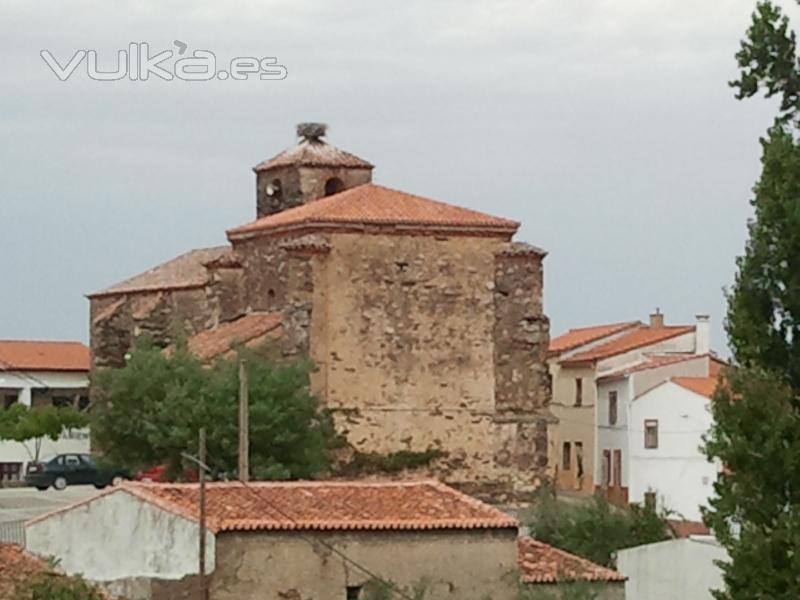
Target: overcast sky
{"points": [[607, 128]]}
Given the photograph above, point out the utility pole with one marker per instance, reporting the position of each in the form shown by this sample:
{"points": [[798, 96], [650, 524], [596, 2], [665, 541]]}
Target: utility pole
{"points": [[202, 478], [244, 423]]}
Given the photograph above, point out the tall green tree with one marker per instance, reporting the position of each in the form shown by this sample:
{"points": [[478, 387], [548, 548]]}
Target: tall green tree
{"points": [[756, 436], [149, 413], [32, 426]]}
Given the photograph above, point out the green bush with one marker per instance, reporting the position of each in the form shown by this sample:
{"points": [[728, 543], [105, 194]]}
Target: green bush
{"points": [[595, 530], [49, 586]]}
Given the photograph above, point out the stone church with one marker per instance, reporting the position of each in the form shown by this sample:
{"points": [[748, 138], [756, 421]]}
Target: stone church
{"points": [[424, 320]]}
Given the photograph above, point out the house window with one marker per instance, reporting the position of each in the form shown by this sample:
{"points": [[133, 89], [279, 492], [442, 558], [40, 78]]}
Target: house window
{"points": [[353, 592], [606, 468], [651, 433], [9, 400], [579, 391], [334, 185], [10, 471], [62, 401], [612, 407], [579, 458], [566, 456], [650, 500], [83, 403], [617, 468]]}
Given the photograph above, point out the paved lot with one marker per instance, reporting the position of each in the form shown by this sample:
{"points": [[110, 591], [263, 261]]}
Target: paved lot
{"points": [[19, 504]]}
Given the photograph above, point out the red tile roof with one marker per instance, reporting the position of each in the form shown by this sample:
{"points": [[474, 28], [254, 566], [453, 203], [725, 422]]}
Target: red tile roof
{"points": [[585, 335], [19, 355], [684, 529], [212, 343], [183, 272], [653, 361], [329, 505], [375, 205], [541, 563], [16, 566], [313, 153], [639, 337], [705, 386]]}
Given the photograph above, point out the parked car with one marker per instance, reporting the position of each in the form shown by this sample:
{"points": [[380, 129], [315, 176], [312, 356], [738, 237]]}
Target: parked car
{"points": [[73, 469]]}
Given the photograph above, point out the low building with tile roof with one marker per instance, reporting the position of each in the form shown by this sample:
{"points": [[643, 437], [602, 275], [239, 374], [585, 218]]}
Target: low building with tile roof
{"points": [[582, 359], [424, 319], [548, 570], [322, 540], [37, 373]]}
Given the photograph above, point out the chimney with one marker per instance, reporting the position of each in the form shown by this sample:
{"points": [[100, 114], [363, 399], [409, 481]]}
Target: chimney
{"points": [[657, 319], [702, 334]]}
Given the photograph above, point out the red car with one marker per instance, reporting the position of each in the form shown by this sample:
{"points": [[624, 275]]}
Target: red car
{"points": [[158, 474]]}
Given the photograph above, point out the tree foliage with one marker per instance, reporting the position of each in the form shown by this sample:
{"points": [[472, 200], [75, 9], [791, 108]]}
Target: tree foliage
{"points": [[149, 413], [50, 586], [595, 530], [756, 509], [22, 424]]}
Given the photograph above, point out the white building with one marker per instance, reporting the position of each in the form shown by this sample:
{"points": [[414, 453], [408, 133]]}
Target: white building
{"points": [[650, 421], [682, 568], [581, 357], [39, 374]]}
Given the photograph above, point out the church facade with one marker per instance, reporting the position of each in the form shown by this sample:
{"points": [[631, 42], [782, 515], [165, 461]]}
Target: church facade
{"points": [[424, 320]]}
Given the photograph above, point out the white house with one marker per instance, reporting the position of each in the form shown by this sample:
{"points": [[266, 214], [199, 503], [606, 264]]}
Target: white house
{"points": [[681, 568], [38, 374], [650, 421], [581, 357]]}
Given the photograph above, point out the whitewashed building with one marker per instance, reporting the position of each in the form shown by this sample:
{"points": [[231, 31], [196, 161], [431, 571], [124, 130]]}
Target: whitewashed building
{"points": [[36, 374], [682, 568], [650, 419], [581, 357]]}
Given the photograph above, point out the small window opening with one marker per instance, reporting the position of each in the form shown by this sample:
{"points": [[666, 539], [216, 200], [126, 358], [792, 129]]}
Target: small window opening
{"points": [[651, 433], [334, 185], [353, 592], [612, 407], [566, 456], [271, 294], [579, 391]]}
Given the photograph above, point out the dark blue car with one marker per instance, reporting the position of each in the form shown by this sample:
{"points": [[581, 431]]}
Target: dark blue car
{"points": [[72, 469]]}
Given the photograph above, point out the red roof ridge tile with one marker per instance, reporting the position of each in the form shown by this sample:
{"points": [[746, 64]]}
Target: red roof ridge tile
{"points": [[372, 505], [579, 336], [376, 206], [638, 337], [543, 563], [44, 355]]}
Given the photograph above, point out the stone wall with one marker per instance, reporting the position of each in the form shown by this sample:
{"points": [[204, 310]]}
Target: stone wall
{"points": [[457, 565], [117, 321], [301, 185], [405, 331]]}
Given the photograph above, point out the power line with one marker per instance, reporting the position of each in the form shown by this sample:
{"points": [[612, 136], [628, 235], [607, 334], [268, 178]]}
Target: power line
{"points": [[326, 545]]}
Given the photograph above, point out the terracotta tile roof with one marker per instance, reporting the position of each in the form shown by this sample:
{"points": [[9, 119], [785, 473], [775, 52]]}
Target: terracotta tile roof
{"points": [[328, 505], [16, 565], [584, 335], [639, 337], [20, 355], [684, 529], [542, 563], [212, 343], [375, 205], [652, 361], [313, 153], [186, 271], [705, 386]]}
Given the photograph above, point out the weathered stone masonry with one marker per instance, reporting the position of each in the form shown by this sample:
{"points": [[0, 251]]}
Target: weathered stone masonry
{"points": [[425, 320]]}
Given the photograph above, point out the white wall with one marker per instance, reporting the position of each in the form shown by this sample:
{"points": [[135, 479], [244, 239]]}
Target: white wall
{"points": [[77, 441], [673, 569], [117, 535], [677, 471]]}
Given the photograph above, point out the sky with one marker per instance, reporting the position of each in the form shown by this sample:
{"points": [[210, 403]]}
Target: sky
{"points": [[607, 128]]}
